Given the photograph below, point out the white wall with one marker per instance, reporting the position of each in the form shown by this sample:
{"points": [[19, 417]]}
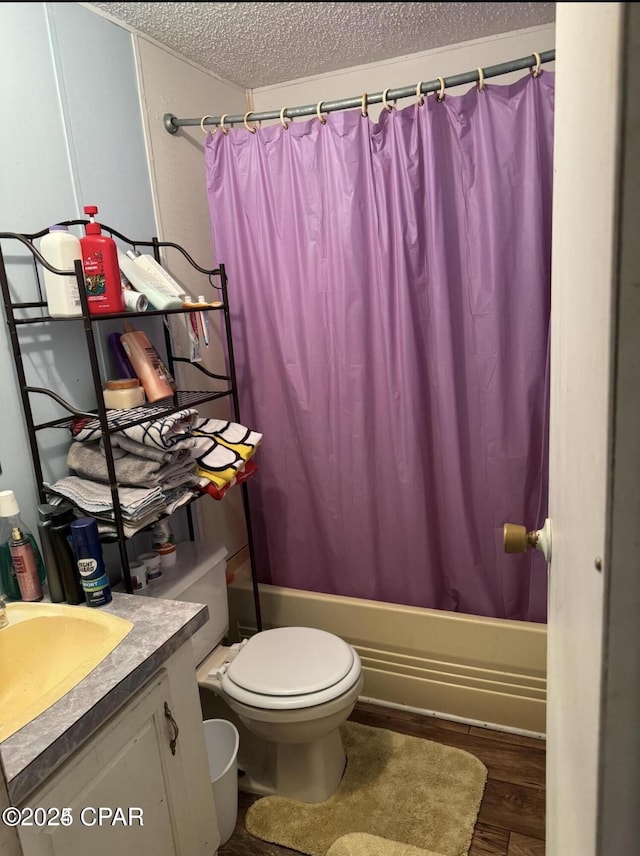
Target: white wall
{"points": [[407, 70], [171, 84], [71, 136]]}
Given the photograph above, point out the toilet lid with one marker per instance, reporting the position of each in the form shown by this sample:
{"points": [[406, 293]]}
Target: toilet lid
{"points": [[291, 661]]}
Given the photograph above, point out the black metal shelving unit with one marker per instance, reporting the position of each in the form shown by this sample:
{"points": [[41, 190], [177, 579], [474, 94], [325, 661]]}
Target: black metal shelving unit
{"points": [[181, 399]]}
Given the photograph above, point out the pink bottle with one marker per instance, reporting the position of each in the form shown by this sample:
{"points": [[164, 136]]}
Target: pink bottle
{"points": [[24, 564]]}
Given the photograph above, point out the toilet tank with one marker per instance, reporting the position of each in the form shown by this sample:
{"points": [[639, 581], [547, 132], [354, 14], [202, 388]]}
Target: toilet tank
{"points": [[198, 576]]}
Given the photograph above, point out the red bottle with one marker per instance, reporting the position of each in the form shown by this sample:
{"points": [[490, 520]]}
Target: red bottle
{"points": [[101, 269]]}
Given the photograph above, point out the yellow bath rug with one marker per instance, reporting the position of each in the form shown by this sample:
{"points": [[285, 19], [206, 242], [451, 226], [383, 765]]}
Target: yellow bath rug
{"points": [[408, 790], [361, 844]]}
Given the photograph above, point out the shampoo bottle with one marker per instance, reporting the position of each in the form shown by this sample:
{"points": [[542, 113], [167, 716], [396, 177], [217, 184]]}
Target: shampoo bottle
{"points": [[120, 360], [146, 279], [61, 249], [101, 270], [154, 376]]}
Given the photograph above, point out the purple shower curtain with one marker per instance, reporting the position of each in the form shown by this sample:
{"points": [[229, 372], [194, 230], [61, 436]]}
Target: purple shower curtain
{"points": [[389, 288]]}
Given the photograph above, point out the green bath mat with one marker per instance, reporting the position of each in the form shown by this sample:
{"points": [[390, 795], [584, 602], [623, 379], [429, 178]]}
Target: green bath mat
{"points": [[405, 789]]}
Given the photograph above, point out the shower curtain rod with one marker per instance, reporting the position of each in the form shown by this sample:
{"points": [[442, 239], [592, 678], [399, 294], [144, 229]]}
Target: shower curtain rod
{"points": [[171, 123]]}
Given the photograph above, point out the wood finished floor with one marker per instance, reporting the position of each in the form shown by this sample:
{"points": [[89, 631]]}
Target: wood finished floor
{"points": [[511, 817]]}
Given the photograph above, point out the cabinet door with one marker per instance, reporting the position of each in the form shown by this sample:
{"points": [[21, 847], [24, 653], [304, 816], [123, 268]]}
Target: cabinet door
{"points": [[129, 766]]}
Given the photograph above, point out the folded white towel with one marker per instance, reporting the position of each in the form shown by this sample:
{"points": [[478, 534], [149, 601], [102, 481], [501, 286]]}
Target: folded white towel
{"points": [[95, 497]]}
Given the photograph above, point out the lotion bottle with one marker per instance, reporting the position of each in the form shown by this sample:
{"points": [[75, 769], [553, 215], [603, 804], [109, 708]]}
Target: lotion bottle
{"points": [[101, 270], [157, 273], [61, 249], [147, 281]]}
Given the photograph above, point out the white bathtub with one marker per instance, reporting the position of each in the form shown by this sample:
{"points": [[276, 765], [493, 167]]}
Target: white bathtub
{"points": [[483, 671]]}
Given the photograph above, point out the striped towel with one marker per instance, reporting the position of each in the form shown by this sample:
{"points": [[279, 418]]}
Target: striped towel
{"points": [[230, 446], [167, 432]]}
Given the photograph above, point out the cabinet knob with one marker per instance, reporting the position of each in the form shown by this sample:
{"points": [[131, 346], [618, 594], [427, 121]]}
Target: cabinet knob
{"points": [[174, 726]]}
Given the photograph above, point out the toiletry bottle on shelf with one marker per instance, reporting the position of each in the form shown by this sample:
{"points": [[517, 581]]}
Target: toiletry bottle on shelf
{"points": [[54, 580], [90, 561], [119, 359], [147, 364], [193, 335], [61, 249], [24, 566], [146, 279], [163, 543], [9, 520], [101, 270], [134, 301], [62, 541]]}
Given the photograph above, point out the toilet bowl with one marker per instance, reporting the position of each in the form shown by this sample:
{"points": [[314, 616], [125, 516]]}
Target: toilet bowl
{"points": [[288, 690], [291, 688]]}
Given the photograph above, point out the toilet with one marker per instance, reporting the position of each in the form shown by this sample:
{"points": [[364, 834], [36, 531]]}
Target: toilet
{"points": [[287, 690]]}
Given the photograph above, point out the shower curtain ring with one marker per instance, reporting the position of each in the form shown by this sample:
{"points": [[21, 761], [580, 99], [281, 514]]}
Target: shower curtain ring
{"points": [[285, 125], [387, 107], [419, 94], [480, 80], [536, 72], [246, 116], [202, 128], [320, 116], [363, 109], [440, 95], [224, 130]]}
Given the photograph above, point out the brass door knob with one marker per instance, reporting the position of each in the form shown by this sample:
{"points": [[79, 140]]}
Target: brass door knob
{"points": [[518, 540]]}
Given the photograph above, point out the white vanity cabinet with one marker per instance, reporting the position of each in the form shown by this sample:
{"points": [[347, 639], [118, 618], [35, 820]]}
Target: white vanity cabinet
{"points": [[130, 789]]}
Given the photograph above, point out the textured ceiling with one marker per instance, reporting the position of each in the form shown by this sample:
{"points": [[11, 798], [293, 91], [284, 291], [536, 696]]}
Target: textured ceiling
{"points": [[258, 44]]}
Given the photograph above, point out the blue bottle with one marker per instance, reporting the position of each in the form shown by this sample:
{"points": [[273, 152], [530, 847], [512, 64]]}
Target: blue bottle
{"points": [[90, 561]]}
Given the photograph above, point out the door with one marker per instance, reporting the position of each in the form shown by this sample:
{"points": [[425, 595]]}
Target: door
{"points": [[594, 596]]}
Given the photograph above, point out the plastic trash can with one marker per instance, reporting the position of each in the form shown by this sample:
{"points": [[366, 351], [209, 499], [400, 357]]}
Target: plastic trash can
{"points": [[222, 740]]}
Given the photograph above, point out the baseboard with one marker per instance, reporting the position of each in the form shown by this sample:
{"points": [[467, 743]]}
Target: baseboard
{"points": [[483, 670]]}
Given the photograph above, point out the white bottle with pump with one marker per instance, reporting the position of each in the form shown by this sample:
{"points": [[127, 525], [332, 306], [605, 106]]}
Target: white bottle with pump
{"points": [[61, 249], [148, 277]]}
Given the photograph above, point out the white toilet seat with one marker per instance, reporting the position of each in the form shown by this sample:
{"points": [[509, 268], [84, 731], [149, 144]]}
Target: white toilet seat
{"points": [[290, 668]]}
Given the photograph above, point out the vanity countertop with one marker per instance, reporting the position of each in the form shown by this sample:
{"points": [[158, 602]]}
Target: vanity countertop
{"points": [[160, 627]]}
